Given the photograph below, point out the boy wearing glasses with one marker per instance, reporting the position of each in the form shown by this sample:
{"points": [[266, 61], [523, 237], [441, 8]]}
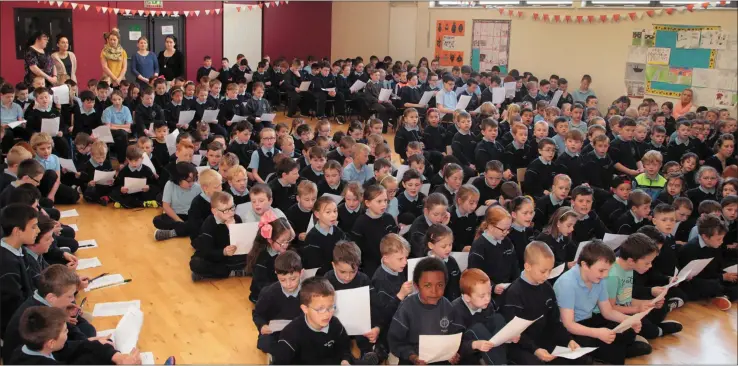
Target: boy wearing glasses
{"points": [[540, 172], [214, 255], [262, 163], [319, 338]]}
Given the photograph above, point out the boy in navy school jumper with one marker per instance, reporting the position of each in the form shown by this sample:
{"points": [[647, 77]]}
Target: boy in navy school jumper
{"points": [[570, 162], [343, 150], [326, 81], [284, 186], [101, 96], [623, 150], [427, 312], [42, 109], [135, 168], [256, 106], [711, 283], [540, 173], [532, 297], [410, 199], [85, 117], [96, 192], [147, 112], [267, 245], [214, 255], [160, 153], [597, 164], [262, 159], [546, 205], [488, 149], [161, 98], [658, 135], [617, 204], [19, 226], [278, 301], [318, 337], [200, 208], [350, 209], [681, 144], [206, 68], [45, 328], [230, 107], [494, 253], [291, 85], [518, 153], [242, 95], [464, 143], [203, 103], [174, 106], [489, 184], [301, 213], [650, 284], [241, 144], [589, 225], [332, 184], [639, 209], [314, 172], [322, 237]]}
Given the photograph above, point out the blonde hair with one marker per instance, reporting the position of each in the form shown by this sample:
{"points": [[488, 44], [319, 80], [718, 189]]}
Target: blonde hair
{"points": [[210, 177], [466, 192], [99, 147], [492, 217], [41, 138], [235, 171], [487, 109], [536, 250], [386, 180], [652, 156], [561, 177], [393, 243], [18, 154], [512, 108], [307, 187], [220, 198], [360, 148]]}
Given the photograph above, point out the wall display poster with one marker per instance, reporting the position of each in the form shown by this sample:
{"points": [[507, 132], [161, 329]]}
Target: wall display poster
{"points": [[490, 44], [445, 42]]}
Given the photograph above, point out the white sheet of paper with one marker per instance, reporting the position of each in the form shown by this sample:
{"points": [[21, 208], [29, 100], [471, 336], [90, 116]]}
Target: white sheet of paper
{"points": [[147, 161], [276, 325], [353, 310], [210, 116], [105, 333], [68, 164], [425, 188], [693, 268], [384, 95], [462, 259], [197, 159], [511, 330], [308, 273], [50, 126], [555, 100], [427, 96], [249, 77], [336, 198], [437, 348], [358, 85], [401, 171], [147, 358], [268, 117], [566, 352], [236, 118], [134, 185], [68, 213], [557, 271], [171, 141], [126, 333], [61, 94], [311, 224], [463, 102], [74, 227], [614, 239], [15, 124], [629, 321], [103, 134], [243, 235], [201, 169], [404, 230], [185, 117], [613, 244], [104, 178], [85, 263], [498, 95], [411, 264], [510, 89], [731, 269], [117, 308], [105, 281], [481, 210], [328, 89], [88, 244], [213, 74], [305, 86]]}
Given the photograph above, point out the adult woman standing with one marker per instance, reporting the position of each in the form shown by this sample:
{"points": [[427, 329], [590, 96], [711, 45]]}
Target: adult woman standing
{"points": [[37, 62], [65, 60], [171, 61], [113, 58], [684, 105], [145, 65]]}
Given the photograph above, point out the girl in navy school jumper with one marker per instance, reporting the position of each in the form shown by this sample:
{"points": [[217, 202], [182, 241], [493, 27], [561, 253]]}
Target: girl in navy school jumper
{"points": [[322, 238], [274, 237], [411, 200], [262, 159], [493, 252], [434, 135], [522, 231], [434, 212], [707, 177], [440, 239], [350, 209], [674, 188], [557, 235], [464, 219], [464, 143], [370, 228], [453, 177], [409, 130], [589, 225]]}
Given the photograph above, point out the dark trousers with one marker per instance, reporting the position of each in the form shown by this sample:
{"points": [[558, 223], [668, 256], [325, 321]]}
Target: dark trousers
{"points": [[65, 195], [385, 111], [120, 144], [69, 179], [210, 269], [85, 327], [272, 95], [650, 324], [13, 135], [301, 100], [184, 228], [704, 289], [267, 343], [613, 353], [94, 193], [61, 147], [339, 102], [479, 331], [134, 200], [218, 129]]}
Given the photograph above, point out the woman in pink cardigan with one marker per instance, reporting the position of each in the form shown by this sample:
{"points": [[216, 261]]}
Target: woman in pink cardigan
{"points": [[684, 105], [64, 60]]}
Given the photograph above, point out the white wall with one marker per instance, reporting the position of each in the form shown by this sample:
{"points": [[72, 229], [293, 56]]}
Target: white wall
{"points": [[403, 25], [241, 34]]}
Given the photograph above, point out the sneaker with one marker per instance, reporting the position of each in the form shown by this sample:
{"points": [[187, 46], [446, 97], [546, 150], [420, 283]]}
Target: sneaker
{"points": [[340, 120], [370, 358], [238, 273], [638, 349], [160, 235], [117, 205], [674, 303], [642, 339], [722, 303], [381, 352], [195, 278], [104, 200], [170, 361], [150, 204], [670, 327]]}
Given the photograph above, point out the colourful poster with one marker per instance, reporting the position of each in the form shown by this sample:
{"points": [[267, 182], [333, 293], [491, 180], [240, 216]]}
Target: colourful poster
{"points": [[445, 47], [681, 75]]}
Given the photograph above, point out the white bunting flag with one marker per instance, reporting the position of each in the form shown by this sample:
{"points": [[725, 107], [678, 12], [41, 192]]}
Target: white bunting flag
{"points": [[217, 11], [175, 13], [104, 10], [207, 11], [74, 6], [140, 13], [186, 13], [197, 13], [116, 10], [86, 6]]}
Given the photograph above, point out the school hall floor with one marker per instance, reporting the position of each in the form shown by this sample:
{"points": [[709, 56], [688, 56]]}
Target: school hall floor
{"points": [[210, 322]]}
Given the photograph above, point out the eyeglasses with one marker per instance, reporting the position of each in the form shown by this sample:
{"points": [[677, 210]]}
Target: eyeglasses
{"points": [[501, 229], [34, 179], [269, 138], [229, 209], [324, 310], [282, 244]]}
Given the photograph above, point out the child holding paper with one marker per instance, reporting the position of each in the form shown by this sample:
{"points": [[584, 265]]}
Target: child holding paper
{"points": [[51, 186], [278, 301], [43, 109], [118, 118], [532, 297], [45, 330], [273, 238], [425, 313], [322, 238], [493, 252], [411, 200], [637, 215], [256, 106], [147, 112], [134, 168], [92, 191], [179, 193], [435, 211], [262, 159]]}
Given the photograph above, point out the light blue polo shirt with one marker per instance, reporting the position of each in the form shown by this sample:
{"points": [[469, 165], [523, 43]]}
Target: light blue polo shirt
{"points": [[178, 198], [12, 114], [573, 293], [351, 173], [50, 163], [117, 117]]}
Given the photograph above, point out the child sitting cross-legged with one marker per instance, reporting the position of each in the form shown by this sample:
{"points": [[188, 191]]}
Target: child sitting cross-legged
{"points": [[322, 238], [177, 198], [274, 237], [134, 168], [92, 191], [214, 255], [51, 186], [301, 213], [493, 252]]}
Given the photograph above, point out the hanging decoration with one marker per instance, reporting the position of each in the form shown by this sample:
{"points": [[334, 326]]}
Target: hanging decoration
{"points": [[175, 13]]}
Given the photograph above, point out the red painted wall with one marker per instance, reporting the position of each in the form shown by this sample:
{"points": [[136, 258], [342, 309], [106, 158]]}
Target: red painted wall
{"points": [[298, 29], [204, 35]]}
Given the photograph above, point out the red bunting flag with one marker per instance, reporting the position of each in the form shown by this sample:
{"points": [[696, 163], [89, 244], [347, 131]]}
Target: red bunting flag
{"points": [[705, 5], [520, 14], [97, 9], [690, 7], [632, 16], [616, 17], [603, 18], [670, 11], [650, 13], [510, 12], [723, 2], [568, 18], [579, 18], [501, 10], [146, 12], [546, 18], [249, 7], [591, 18], [238, 9], [261, 6], [557, 18], [535, 16]]}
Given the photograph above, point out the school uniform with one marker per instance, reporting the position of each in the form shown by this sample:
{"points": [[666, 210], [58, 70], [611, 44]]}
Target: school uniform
{"points": [[480, 324], [274, 304], [34, 119], [570, 163], [318, 249], [409, 204], [254, 108], [228, 108], [611, 210], [346, 218], [242, 150], [496, 258], [208, 260], [412, 95], [309, 174], [370, 102], [563, 247], [337, 156], [367, 233], [145, 116], [299, 219], [545, 207], [94, 194], [172, 111], [624, 152], [16, 283], [708, 283], [295, 99], [262, 273], [588, 228], [521, 236], [403, 137], [300, 344], [538, 177], [134, 200], [716, 163], [86, 120], [699, 194], [162, 100], [434, 138], [517, 156], [599, 170], [466, 149], [283, 195], [446, 191], [628, 223], [385, 285], [676, 148], [321, 82], [464, 227], [325, 188]]}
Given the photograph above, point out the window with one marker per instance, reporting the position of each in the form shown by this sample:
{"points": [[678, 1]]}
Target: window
{"points": [[51, 21]]}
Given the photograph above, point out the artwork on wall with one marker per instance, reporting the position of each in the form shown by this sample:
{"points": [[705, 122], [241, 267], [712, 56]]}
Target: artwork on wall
{"points": [[445, 43], [490, 44]]}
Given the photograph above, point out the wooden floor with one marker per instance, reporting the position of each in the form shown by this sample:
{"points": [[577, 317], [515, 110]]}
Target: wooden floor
{"points": [[210, 322]]}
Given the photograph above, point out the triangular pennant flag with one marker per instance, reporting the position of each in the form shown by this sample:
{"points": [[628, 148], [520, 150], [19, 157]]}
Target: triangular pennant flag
{"points": [[632, 16], [207, 11], [546, 18], [579, 18], [510, 12], [723, 2], [51, 3], [65, 4], [127, 11], [175, 13], [197, 13], [616, 17], [276, 3], [670, 11], [659, 11], [165, 12], [74, 5], [217, 11], [238, 9], [591, 18], [603, 18], [535, 16], [267, 5], [86, 7], [650, 13], [520, 14], [140, 12], [705, 5], [567, 18], [501, 10], [59, 4], [557, 18], [249, 7], [116, 10], [146, 12], [683, 8], [104, 10], [186, 13]]}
